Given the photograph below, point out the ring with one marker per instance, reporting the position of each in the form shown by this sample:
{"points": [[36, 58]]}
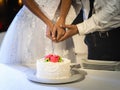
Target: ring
{"points": [[66, 29]]}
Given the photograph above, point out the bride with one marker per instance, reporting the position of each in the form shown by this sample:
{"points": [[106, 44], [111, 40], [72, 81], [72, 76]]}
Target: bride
{"points": [[26, 41]]}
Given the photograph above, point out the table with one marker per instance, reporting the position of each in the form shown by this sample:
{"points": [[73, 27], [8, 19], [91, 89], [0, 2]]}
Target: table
{"points": [[13, 77]]}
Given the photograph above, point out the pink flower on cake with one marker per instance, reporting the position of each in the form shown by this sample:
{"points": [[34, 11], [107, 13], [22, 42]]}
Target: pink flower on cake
{"points": [[48, 56], [53, 58]]}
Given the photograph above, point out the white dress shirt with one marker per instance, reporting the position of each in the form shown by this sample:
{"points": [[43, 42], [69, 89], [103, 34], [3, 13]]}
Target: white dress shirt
{"points": [[106, 17]]}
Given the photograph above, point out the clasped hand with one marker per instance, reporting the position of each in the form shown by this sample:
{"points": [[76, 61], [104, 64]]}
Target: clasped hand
{"points": [[61, 32]]}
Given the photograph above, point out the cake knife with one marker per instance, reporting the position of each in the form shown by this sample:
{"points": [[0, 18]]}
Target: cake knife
{"points": [[56, 16], [52, 47]]}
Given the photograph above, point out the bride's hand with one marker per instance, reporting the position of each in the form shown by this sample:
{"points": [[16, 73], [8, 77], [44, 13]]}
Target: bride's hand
{"points": [[49, 30], [58, 32]]}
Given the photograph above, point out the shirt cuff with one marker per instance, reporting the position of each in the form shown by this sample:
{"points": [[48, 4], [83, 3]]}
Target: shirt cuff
{"points": [[80, 29]]}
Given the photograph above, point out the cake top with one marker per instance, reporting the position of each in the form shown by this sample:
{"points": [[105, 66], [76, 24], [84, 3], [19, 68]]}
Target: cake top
{"points": [[53, 58]]}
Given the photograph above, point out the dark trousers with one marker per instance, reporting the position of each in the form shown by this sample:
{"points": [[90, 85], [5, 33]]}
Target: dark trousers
{"points": [[104, 46]]}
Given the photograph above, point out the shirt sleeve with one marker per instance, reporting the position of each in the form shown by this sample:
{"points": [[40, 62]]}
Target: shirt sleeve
{"points": [[101, 19]]}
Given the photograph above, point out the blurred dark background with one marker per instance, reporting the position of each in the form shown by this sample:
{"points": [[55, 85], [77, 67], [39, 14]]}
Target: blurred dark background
{"points": [[8, 9]]}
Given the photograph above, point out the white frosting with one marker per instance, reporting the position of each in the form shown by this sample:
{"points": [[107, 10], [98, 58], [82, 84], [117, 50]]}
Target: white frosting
{"points": [[51, 70]]}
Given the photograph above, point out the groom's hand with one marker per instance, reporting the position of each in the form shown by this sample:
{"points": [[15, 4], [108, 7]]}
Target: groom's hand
{"points": [[70, 31]]}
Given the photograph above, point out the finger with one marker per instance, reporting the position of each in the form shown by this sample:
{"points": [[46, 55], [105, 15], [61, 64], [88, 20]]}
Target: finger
{"points": [[66, 35], [48, 34], [55, 40], [62, 38], [61, 34], [54, 32]]}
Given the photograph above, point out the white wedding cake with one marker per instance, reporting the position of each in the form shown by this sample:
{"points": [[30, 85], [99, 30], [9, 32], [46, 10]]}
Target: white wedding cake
{"points": [[53, 67]]}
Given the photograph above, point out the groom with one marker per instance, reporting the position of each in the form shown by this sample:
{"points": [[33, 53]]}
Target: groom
{"points": [[102, 30]]}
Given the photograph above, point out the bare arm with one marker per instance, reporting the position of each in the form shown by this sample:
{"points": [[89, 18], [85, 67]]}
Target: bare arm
{"points": [[64, 9], [33, 7], [104, 19], [65, 6]]}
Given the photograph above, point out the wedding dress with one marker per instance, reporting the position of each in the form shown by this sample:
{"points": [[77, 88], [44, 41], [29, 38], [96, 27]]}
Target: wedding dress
{"points": [[25, 40]]}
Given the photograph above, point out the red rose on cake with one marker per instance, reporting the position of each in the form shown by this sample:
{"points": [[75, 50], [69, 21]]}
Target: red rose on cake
{"points": [[53, 58]]}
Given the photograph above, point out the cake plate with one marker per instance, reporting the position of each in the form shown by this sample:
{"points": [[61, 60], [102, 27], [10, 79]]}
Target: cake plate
{"points": [[77, 75]]}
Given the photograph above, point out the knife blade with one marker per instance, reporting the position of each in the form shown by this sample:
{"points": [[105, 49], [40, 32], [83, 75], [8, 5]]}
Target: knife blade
{"points": [[53, 47]]}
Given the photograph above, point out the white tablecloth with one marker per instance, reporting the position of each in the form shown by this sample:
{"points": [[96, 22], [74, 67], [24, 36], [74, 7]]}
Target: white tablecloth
{"points": [[13, 77]]}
